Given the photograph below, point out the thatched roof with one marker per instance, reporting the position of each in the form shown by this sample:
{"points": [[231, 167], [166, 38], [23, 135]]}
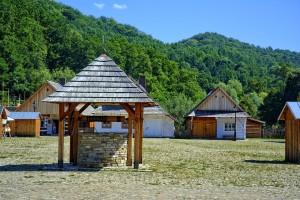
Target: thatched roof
{"points": [[102, 81]]}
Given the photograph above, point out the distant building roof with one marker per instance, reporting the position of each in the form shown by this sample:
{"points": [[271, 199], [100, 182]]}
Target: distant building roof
{"points": [[219, 113], [294, 108], [198, 111], [11, 108], [87, 112], [25, 115], [256, 120], [111, 110], [1, 109], [55, 85]]}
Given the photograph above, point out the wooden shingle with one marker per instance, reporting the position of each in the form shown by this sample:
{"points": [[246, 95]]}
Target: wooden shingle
{"points": [[102, 81]]}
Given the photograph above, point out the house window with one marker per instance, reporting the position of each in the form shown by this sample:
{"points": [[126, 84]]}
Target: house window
{"points": [[229, 126], [125, 124], [106, 124]]}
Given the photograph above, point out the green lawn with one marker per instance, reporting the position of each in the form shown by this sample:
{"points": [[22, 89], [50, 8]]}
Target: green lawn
{"points": [[251, 162]]}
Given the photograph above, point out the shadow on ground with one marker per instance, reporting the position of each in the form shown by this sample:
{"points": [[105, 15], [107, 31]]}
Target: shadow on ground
{"points": [[45, 167], [280, 142], [267, 161]]}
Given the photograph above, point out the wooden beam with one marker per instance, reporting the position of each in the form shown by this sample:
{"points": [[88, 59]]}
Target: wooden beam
{"points": [[75, 140], [83, 108], [129, 142], [70, 109], [137, 121], [70, 132], [128, 108], [141, 134], [61, 128]]}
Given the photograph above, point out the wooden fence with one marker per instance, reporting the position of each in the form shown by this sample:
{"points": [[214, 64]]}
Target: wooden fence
{"points": [[277, 133]]}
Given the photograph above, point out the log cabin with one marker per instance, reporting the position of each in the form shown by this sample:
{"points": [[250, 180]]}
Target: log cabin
{"points": [[48, 111], [217, 116]]}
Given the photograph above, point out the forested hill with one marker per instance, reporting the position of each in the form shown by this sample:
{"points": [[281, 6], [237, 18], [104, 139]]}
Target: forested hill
{"points": [[44, 40]]}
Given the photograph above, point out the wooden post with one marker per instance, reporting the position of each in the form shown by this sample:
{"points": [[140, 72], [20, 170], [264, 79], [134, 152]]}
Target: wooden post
{"points": [[137, 121], [141, 134], [61, 136], [70, 132], [75, 140], [1, 124], [129, 141]]}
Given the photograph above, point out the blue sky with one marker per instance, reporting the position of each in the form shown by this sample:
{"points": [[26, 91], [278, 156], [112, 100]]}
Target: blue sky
{"points": [[264, 23]]}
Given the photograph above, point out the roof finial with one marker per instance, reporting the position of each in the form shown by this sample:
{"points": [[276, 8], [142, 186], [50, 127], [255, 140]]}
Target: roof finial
{"points": [[104, 45]]}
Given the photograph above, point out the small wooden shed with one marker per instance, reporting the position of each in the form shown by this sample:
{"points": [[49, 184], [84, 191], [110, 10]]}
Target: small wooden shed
{"points": [[25, 124], [291, 115], [254, 128]]}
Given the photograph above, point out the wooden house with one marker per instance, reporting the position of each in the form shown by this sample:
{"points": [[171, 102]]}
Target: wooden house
{"points": [[218, 116], [48, 111], [157, 122], [254, 128], [291, 115], [25, 124]]}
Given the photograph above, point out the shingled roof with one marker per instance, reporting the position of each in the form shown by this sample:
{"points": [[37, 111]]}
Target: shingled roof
{"points": [[102, 81]]}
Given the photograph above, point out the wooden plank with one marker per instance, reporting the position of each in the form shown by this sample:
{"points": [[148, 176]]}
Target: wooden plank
{"points": [[70, 109], [298, 143], [141, 134], [70, 131], [137, 121], [1, 126], [84, 107], [75, 141], [128, 108], [129, 142], [61, 136]]}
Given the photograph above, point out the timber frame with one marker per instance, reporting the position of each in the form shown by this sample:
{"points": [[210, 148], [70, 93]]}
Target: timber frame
{"points": [[101, 82]]}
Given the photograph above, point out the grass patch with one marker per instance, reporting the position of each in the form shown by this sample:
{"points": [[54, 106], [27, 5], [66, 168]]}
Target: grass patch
{"points": [[183, 162]]}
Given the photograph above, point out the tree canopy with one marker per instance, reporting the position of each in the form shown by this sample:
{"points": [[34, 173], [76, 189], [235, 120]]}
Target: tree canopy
{"points": [[43, 40]]}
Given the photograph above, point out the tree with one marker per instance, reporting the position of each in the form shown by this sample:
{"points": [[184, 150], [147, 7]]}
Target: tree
{"points": [[178, 106], [292, 87]]}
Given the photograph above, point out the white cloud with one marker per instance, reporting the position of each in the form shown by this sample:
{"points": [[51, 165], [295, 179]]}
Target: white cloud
{"points": [[99, 5], [120, 6]]}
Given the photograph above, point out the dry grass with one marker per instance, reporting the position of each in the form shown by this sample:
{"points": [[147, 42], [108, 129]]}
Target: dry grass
{"points": [[175, 169]]}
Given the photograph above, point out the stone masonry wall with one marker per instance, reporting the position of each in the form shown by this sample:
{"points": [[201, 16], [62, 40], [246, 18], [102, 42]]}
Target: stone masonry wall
{"points": [[102, 149]]}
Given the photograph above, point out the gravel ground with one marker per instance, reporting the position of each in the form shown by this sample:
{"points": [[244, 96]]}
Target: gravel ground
{"points": [[129, 184], [173, 169]]}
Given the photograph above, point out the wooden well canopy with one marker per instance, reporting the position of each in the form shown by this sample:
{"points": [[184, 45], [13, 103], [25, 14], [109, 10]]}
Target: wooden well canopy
{"points": [[101, 82]]}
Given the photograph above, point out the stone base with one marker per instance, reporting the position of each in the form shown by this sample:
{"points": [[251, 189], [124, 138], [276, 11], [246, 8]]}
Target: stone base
{"points": [[98, 150]]}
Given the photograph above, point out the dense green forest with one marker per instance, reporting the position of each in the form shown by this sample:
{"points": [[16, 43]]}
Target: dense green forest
{"points": [[44, 40]]}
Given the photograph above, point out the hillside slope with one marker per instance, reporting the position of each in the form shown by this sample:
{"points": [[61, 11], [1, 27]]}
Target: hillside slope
{"points": [[44, 40]]}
